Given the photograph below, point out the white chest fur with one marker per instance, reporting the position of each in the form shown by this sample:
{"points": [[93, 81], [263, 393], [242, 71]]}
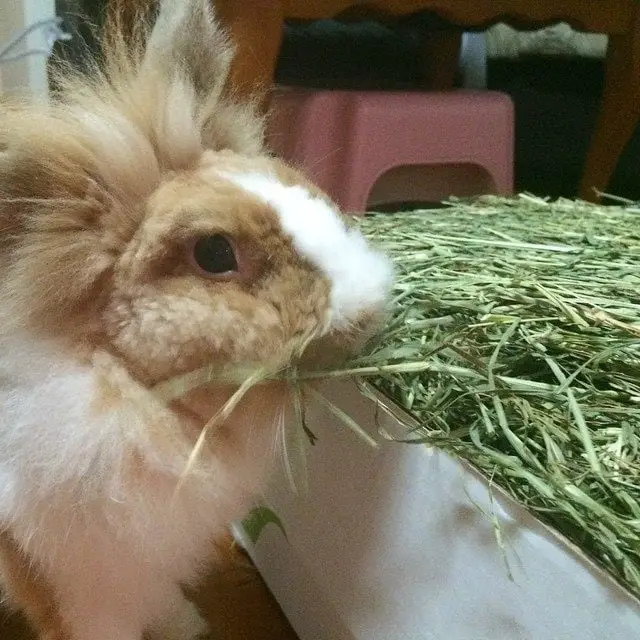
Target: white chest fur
{"points": [[89, 464]]}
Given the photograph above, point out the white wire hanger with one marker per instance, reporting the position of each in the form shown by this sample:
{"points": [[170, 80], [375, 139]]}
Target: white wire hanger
{"points": [[52, 32]]}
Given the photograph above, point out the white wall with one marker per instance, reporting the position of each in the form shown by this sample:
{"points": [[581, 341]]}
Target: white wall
{"points": [[27, 74]]}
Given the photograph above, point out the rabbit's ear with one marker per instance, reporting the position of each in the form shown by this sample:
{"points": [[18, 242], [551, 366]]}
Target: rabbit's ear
{"points": [[189, 53], [188, 43]]}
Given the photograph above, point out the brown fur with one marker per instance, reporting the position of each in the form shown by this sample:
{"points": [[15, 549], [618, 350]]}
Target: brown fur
{"points": [[101, 193], [118, 149]]}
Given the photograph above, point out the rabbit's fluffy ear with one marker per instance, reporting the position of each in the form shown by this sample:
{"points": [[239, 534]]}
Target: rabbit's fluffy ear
{"points": [[187, 43], [181, 71], [192, 53]]}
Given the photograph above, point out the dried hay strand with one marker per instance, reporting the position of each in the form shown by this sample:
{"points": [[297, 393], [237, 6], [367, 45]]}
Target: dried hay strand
{"points": [[515, 342]]}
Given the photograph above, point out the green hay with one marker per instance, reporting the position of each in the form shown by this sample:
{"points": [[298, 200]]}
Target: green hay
{"points": [[515, 342]]}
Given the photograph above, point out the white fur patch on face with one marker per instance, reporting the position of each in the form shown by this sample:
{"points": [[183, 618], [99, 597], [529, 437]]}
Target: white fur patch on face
{"points": [[360, 277]]}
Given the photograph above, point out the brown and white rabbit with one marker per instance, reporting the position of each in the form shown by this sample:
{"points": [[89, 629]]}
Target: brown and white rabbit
{"points": [[145, 231]]}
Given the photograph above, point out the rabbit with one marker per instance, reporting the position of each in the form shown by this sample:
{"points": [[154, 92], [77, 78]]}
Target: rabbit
{"points": [[146, 231]]}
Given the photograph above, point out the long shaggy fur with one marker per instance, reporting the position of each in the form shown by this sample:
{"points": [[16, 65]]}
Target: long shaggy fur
{"points": [[103, 192], [152, 106]]}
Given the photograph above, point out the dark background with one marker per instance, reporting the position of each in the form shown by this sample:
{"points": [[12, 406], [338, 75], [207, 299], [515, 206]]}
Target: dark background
{"points": [[556, 99]]}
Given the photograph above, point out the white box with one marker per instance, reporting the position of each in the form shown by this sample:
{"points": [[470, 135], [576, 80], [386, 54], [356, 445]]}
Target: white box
{"points": [[400, 543]]}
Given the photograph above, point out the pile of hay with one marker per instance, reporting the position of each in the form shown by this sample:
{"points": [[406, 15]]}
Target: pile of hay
{"points": [[515, 342]]}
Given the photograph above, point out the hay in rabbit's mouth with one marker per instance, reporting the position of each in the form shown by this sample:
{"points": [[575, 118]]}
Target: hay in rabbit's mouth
{"points": [[515, 343], [244, 376]]}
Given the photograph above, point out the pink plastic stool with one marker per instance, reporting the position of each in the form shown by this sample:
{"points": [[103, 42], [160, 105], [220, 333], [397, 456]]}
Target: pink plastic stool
{"points": [[373, 147]]}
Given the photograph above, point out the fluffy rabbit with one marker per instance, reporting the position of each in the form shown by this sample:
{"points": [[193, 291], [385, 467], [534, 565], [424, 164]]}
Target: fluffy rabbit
{"points": [[145, 231]]}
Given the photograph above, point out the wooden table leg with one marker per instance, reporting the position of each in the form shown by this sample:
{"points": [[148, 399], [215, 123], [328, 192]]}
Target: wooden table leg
{"points": [[256, 28], [619, 112]]}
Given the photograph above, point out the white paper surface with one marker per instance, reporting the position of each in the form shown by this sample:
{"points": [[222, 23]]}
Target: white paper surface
{"points": [[399, 543]]}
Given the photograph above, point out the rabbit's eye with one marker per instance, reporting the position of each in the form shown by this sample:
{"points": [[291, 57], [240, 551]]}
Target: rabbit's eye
{"points": [[214, 255]]}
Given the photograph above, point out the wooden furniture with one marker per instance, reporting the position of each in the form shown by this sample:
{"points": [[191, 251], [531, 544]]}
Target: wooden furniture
{"points": [[257, 27]]}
